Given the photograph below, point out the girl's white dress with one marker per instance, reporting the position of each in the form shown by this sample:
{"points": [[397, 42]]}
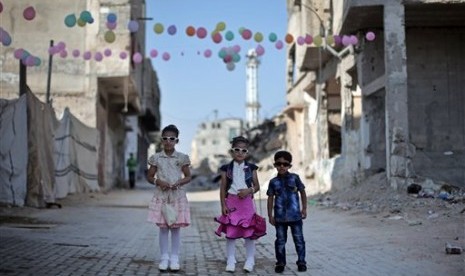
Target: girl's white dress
{"points": [[169, 169]]}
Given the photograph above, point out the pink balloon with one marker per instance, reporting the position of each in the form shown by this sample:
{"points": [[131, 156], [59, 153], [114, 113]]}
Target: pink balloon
{"points": [[98, 56], [154, 53], [53, 50], [123, 55], [236, 48], [111, 25], [346, 40], [227, 58], [166, 56], [353, 40], [308, 39], [279, 44], [260, 50], [217, 38], [1, 7], [207, 53], [87, 55], [300, 40], [61, 45], [30, 60], [63, 54], [18, 53], [370, 36], [76, 53], [246, 34], [107, 52], [29, 13], [137, 57], [337, 39], [201, 32]]}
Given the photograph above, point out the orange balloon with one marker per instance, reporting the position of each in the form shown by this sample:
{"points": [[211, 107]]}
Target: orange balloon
{"points": [[190, 31], [289, 38]]}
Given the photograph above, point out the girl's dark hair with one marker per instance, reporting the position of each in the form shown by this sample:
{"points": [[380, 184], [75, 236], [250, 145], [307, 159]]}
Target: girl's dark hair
{"points": [[239, 139], [283, 154], [170, 128]]}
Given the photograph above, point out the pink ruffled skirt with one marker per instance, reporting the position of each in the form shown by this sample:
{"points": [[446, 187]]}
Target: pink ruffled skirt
{"points": [[241, 222], [180, 204]]}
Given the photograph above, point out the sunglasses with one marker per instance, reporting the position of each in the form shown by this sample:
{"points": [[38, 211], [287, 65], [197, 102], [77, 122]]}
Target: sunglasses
{"points": [[169, 138], [237, 150], [284, 164]]}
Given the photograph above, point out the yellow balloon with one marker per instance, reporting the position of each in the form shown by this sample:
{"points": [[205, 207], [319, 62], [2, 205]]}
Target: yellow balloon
{"points": [[258, 37], [81, 22], [110, 36], [330, 40], [221, 26], [317, 40], [158, 28]]}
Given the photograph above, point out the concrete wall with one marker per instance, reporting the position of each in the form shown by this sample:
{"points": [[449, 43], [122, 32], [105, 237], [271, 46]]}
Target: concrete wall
{"points": [[436, 69]]}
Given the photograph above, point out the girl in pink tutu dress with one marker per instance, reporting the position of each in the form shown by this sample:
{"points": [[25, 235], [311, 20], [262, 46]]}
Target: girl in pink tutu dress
{"points": [[239, 182], [169, 171]]}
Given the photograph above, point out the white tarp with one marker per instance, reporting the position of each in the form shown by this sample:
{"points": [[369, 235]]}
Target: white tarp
{"points": [[13, 151], [76, 157]]}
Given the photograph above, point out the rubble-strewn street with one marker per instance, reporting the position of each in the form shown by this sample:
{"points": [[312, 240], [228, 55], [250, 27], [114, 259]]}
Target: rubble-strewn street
{"points": [[107, 234]]}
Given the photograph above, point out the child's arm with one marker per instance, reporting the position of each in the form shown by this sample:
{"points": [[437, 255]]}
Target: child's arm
{"points": [[186, 179], [224, 209], [270, 209], [303, 198], [151, 175]]}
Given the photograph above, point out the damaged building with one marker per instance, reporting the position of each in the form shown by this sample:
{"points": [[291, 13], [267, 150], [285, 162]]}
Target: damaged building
{"points": [[88, 67], [390, 102]]}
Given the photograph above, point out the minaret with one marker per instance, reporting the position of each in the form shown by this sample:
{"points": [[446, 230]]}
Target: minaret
{"points": [[252, 105]]}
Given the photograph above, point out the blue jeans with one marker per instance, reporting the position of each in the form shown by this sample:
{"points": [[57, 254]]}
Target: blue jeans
{"points": [[281, 239]]}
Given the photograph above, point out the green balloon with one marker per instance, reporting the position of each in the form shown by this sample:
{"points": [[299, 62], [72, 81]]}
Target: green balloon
{"points": [[272, 37], [70, 20], [229, 36]]}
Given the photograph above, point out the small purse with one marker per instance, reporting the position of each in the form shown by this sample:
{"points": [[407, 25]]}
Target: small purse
{"points": [[168, 212]]}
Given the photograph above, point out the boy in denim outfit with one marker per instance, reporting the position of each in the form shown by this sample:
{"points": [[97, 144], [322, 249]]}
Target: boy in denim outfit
{"points": [[284, 210]]}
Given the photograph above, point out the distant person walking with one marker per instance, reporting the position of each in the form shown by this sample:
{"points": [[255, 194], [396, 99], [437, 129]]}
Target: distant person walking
{"points": [[169, 171], [284, 210], [131, 163], [239, 182]]}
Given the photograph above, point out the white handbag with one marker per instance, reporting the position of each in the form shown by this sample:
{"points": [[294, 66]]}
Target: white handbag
{"points": [[168, 211]]}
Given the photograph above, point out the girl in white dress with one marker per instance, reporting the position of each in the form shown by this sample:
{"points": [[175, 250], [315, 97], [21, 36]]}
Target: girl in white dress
{"points": [[169, 171]]}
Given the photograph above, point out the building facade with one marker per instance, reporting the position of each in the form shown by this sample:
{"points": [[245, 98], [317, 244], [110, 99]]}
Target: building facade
{"points": [[212, 142], [102, 90], [391, 102]]}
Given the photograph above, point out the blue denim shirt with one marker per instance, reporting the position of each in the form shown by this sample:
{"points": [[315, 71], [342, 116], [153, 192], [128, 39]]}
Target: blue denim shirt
{"points": [[285, 190]]}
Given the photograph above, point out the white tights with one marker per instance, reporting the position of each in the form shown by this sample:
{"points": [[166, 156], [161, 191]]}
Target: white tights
{"points": [[175, 243], [249, 250]]}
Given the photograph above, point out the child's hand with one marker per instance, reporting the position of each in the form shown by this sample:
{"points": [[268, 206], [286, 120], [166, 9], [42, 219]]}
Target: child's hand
{"points": [[164, 185], [224, 210], [243, 193], [271, 219], [304, 213]]}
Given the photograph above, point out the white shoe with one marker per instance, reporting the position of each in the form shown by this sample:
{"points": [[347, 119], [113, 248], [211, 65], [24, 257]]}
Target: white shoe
{"points": [[163, 266], [174, 265], [230, 267], [248, 267]]}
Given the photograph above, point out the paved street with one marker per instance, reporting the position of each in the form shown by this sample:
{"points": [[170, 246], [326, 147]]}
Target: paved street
{"points": [[107, 234]]}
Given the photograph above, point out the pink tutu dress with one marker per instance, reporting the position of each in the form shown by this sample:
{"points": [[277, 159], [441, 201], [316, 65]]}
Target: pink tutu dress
{"points": [[242, 221]]}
